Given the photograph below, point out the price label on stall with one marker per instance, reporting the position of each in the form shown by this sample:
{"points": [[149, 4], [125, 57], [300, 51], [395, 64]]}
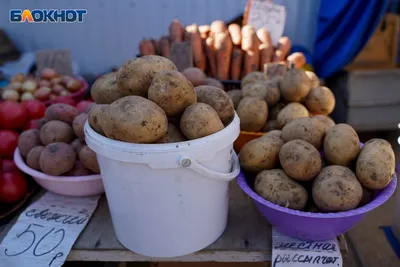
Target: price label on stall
{"points": [[290, 252], [59, 60], [265, 14], [46, 231], [181, 55]]}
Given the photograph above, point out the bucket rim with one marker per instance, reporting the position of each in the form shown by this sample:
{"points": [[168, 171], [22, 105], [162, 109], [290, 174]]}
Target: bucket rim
{"points": [[383, 196]]}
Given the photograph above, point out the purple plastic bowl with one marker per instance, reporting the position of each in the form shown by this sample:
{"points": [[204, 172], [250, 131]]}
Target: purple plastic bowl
{"points": [[307, 225]]}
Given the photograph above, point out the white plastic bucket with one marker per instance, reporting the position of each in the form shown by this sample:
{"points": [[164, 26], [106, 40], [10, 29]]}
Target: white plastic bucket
{"points": [[168, 200]]}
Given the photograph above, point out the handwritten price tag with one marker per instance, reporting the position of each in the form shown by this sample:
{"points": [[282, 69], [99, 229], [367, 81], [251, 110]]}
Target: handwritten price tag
{"points": [[181, 55], [265, 14], [288, 252], [46, 231]]}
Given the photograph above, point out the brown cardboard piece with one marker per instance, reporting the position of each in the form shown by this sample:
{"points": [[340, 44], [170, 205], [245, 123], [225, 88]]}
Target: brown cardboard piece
{"points": [[59, 60], [182, 55]]}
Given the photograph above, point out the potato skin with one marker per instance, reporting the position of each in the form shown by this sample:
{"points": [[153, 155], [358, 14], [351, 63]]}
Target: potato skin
{"points": [[376, 164], [341, 145], [277, 133], [105, 89], [320, 100], [275, 186], [78, 125], [200, 120], [89, 159], [218, 99], [172, 92], [77, 145], [313, 79], [135, 75], [300, 160], [306, 129], [214, 82], [61, 112], [295, 85], [97, 116], [173, 135], [290, 112], [32, 159], [261, 153], [56, 131], [253, 114], [57, 158], [336, 188], [135, 119], [255, 89], [253, 77], [78, 170], [28, 140], [326, 122], [195, 75], [236, 96]]}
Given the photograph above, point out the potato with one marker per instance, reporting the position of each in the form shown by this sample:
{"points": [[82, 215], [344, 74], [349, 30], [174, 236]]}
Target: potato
{"points": [[77, 145], [236, 96], [61, 112], [173, 135], [74, 85], [341, 145], [261, 153], [255, 89], [135, 75], [57, 158], [105, 89], [336, 188], [97, 116], [200, 120], [172, 92], [195, 75], [306, 129], [271, 126], [134, 119], [300, 160], [218, 99], [277, 133], [42, 94], [326, 122], [275, 186], [253, 77], [89, 159], [320, 100], [313, 78], [214, 82], [290, 112], [78, 125], [273, 93], [32, 159], [376, 164], [295, 85], [78, 170], [28, 140], [56, 131], [275, 70], [274, 111], [253, 114]]}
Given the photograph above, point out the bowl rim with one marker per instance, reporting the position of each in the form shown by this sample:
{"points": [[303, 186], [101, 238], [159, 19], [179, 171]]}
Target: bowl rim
{"points": [[42, 176], [384, 195]]}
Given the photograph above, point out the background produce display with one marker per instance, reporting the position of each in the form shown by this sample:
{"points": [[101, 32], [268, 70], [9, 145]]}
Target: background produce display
{"points": [[148, 101], [225, 52]]}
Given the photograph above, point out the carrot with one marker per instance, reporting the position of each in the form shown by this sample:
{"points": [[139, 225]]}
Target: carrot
{"points": [[211, 56], [236, 63], [204, 31], [250, 46], [299, 59], [217, 26], [165, 46], [264, 36], [223, 47], [146, 48], [199, 58], [266, 47], [283, 49], [176, 31], [156, 44], [235, 32], [249, 38]]}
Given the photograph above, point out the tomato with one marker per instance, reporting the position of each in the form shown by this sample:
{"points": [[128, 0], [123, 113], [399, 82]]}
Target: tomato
{"points": [[8, 165], [84, 106], [13, 115], [13, 187], [8, 143], [35, 109], [65, 100]]}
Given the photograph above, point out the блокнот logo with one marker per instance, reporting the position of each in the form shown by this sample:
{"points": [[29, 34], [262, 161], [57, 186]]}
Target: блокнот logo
{"points": [[47, 15]]}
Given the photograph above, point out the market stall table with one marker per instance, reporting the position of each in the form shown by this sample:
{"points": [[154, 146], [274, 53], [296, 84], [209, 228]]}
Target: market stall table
{"points": [[247, 237]]}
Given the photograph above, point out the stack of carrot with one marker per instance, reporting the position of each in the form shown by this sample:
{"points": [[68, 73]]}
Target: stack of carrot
{"points": [[225, 52]]}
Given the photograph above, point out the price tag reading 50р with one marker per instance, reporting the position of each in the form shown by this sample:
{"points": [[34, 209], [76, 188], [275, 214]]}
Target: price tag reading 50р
{"points": [[46, 231]]}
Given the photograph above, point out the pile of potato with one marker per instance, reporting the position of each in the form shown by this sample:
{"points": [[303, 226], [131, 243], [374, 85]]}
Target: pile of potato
{"points": [[224, 52], [148, 101], [58, 147], [291, 172], [268, 101], [48, 86]]}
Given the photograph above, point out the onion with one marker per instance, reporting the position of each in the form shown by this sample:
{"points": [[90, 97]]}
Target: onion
{"points": [[44, 83], [17, 86], [10, 95], [19, 77], [29, 86], [42, 94], [57, 89], [48, 73], [74, 85], [27, 96], [65, 93]]}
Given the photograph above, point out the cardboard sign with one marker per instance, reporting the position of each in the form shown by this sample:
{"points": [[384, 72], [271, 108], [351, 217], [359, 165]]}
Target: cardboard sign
{"points": [[182, 55], [290, 252], [265, 14], [46, 231], [59, 60]]}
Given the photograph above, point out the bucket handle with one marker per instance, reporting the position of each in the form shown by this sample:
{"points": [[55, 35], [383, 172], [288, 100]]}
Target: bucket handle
{"points": [[186, 162]]}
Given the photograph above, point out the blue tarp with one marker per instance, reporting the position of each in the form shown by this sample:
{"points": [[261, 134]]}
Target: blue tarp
{"points": [[344, 27]]}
